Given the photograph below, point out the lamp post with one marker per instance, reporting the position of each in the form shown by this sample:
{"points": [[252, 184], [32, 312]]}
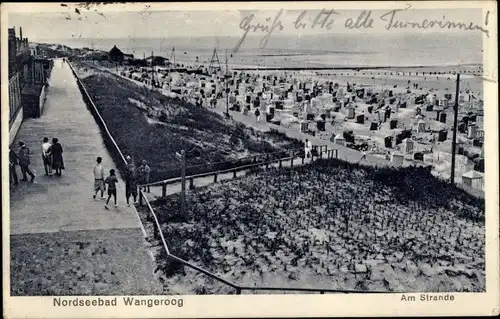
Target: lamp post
{"points": [[454, 142]]}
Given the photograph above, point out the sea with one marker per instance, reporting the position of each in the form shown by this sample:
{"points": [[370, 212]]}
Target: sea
{"points": [[396, 50]]}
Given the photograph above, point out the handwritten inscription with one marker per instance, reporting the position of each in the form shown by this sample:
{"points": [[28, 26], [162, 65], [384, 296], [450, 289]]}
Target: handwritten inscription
{"points": [[322, 20], [271, 25], [326, 19], [393, 23]]}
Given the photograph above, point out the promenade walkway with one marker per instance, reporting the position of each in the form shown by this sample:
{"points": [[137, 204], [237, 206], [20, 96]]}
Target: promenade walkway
{"points": [[62, 241]]}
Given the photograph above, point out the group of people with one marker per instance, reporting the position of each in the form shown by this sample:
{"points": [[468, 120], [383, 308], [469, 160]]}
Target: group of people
{"points": [[51, 156], [53, 161], [133, 176]]}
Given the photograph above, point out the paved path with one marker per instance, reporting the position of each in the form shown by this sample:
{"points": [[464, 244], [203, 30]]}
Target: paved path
{"points": [[62, 207]]}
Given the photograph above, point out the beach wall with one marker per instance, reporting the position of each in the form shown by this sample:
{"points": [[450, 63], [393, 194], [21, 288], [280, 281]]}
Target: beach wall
{"points": [[15, 125]]}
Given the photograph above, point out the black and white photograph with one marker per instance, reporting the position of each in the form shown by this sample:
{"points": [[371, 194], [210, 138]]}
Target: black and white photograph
{"points": [[159, 152]]}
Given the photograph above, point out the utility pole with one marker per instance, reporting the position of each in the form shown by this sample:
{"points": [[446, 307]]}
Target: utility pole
{"points": [[93, 57], [182, 158], [226, 78], [454, 142], [152, 71]]}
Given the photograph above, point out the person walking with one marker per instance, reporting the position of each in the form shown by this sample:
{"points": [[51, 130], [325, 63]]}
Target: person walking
{"points": [[99, 178], [111, 180], [144, 172], [47, 163], [307, 149], [24, 162], [56, 152], [130, 181], [12, 167], [257, 115], [363, 157]]}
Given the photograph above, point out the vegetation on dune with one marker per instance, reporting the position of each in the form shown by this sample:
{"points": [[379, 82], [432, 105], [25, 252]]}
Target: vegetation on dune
{"points": [[149, 125], [348, 224]]}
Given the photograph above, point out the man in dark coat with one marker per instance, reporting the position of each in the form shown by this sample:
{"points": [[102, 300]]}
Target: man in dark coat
{"points": [[12, 166], [24, 162], [130, 180], [56, 151]]}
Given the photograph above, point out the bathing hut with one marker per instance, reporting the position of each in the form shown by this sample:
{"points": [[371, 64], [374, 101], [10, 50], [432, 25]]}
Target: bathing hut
{"points": [[270, 109], [393, 124], [320, 124], [408, 145], [315, 102], [471, 131], [387, 114], [360, 119], [421, 126], [438, 112], [442, 117], [397, 159], [442, 135], [431, 99], [304, 126], [350, 111], [339, 139], [388, 140], [473, 179], [443, 102], [328, 112], [380, 115]]}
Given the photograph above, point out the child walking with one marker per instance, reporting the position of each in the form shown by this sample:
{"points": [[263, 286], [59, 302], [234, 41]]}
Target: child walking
{"points": [[111, 181]]}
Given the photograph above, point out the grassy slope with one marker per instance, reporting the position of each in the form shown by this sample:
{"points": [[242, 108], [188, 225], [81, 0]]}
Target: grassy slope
{"points": [[167, 125], [314, 226]]}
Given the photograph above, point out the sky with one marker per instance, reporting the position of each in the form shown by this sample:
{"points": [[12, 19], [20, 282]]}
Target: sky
{"points": [[63, 22]]}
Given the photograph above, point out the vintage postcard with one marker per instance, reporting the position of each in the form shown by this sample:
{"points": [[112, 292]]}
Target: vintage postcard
{"points": [[250, 159]]}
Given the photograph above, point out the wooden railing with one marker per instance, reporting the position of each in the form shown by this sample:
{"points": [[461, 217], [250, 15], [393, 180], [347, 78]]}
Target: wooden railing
{"points": [[322, 151]]}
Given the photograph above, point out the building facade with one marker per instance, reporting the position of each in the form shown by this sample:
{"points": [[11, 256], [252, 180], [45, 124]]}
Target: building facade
{"points": [[28, 76]]}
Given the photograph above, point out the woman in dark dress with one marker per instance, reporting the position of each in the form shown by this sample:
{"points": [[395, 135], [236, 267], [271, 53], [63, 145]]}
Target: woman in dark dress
{"points": [[57, 160]]}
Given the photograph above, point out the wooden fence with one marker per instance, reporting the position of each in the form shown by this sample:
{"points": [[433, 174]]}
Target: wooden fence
{"points": [[14, 97]]}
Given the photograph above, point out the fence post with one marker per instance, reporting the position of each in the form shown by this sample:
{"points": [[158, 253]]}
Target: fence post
{"points": [[141, 193], [336, 153], [291, 161], [191, 183], [234, 174], [280, 163], [164, 189], [215, 178], [303, 159], [321, 151], [155, 234]]}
